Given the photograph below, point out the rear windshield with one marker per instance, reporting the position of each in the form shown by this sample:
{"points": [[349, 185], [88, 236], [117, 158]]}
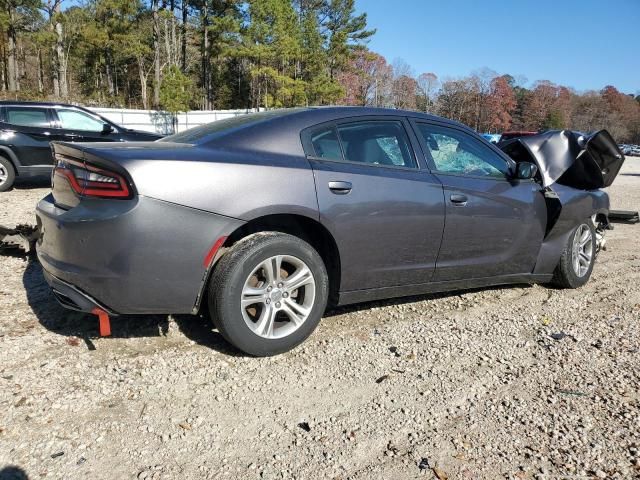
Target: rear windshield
{"points": [[210, 130]]}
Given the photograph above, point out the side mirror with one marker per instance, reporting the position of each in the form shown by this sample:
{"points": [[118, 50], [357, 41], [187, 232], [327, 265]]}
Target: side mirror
{"points": [[526, 170], [106, 128]]}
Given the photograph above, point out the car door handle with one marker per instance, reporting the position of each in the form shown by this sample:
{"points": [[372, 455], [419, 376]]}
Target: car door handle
{"points": [[340, 188], [458, 199]]}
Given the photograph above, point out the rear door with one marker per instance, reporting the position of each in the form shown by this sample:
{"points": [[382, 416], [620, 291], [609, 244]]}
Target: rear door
{"points": [[32, 133], [385, 210], [495, 224]]}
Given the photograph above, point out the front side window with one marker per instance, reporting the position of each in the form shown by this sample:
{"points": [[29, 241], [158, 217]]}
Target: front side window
{"points": [[75, 120], [27, 117], [456, 152]]}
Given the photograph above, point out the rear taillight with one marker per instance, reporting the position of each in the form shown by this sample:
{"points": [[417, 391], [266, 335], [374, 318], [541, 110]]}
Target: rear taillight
{"points": [[91, 181]]}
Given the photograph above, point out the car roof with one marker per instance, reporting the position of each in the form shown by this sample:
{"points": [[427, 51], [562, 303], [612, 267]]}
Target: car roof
{"points": [[290, 122], [278, 131], [336, 113], [348, 111]]}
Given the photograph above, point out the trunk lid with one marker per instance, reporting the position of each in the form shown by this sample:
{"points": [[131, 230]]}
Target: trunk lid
{"points": [[79, 165]]}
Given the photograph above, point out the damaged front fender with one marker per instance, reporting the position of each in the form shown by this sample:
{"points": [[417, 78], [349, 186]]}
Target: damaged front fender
{"points": [[568, 209]]}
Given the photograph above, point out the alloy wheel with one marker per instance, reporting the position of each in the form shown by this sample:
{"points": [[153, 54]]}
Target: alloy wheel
{"points": [[278, 296], [4, 175], [582, 251]]}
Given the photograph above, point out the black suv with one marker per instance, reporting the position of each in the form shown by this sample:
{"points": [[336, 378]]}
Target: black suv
{"points": [[26, 128]]}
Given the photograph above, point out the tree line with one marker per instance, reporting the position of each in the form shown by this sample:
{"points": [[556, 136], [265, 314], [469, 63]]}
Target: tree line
{"points": [[224, 53], [180, 55], [489, 102]]}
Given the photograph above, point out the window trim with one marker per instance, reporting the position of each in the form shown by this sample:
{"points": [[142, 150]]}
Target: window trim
{"points": [[309, 150], [362, 164], [432, 165]]}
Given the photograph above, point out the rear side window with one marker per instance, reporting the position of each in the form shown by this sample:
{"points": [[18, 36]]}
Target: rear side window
{"points": [[375, 142], [326, 144], [27, 117]]}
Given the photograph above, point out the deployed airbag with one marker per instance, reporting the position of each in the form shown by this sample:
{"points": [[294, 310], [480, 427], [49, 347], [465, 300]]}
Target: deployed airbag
{"points": [[569, 158]]}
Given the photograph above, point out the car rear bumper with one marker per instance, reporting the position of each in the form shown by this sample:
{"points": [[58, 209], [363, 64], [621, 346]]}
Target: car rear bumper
{"points": [[71, 297], [127, 256]]}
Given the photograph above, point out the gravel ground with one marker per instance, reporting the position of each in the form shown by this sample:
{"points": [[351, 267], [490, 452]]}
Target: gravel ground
{"points": [[524, 382]]}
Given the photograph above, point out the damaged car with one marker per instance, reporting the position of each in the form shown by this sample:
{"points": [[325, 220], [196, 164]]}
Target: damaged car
{"points": [[262, 221]]}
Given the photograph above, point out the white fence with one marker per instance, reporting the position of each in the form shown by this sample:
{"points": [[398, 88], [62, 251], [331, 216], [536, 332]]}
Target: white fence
{"points": [[162, 122]]}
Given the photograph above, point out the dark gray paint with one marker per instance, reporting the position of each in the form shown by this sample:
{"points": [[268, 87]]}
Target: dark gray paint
{"points": [[388, 228], [396, 230], [497, 232], [133, 256]]}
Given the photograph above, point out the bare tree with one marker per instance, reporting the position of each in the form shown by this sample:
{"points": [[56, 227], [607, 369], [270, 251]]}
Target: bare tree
{"points": [[156, 54], [13, 80], [427, 85], [185, 19], [58, 58]]}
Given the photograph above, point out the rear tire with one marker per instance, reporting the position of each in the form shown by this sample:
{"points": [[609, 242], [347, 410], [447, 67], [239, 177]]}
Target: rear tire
{"points": [[7, 174], [268, 292], [578, 257]]}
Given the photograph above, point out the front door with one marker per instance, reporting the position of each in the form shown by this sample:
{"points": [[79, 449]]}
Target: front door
{"points": [[385, 211], [494, 224], [77, 126]]}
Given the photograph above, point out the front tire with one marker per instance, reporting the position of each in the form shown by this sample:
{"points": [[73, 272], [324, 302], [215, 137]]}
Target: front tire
{"points": [[7, 174], [268, 292], [577, 259]]}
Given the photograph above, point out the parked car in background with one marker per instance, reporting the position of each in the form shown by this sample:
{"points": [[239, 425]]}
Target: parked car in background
{"points": [[491, 137], [625, 149], [515, 134], [267, 217], [26, 128], [634, 150]]}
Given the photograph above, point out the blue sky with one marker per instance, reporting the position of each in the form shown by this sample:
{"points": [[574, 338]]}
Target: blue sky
{"points": [[584, 44]]}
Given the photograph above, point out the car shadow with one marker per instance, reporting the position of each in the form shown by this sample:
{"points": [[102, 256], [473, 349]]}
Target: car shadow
{"points": [[69, 323], [39, 181], [357, 307], [197, 328]]}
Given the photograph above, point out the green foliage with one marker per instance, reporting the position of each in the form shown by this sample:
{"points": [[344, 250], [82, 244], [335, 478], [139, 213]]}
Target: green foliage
{"points": [[232, 53], [554, 120], [262, 53], [175, 94]]}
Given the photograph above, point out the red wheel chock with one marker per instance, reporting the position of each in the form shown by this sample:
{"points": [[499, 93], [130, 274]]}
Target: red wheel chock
{"points": [[104, 323]]}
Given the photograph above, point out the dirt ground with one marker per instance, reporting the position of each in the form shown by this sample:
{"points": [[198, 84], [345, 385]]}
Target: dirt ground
{"points": [[523, 382]]}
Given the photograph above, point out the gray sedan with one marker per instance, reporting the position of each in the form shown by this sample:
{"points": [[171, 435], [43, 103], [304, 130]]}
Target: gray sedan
{"points": [[268, 218]]}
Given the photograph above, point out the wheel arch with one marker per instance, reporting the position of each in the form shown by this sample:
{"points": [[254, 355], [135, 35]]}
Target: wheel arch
{"points": [[306, 228], [9, 155]]}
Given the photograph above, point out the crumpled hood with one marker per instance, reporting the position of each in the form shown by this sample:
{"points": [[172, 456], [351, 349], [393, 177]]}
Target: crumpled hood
{"points": [[570, 158]]}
